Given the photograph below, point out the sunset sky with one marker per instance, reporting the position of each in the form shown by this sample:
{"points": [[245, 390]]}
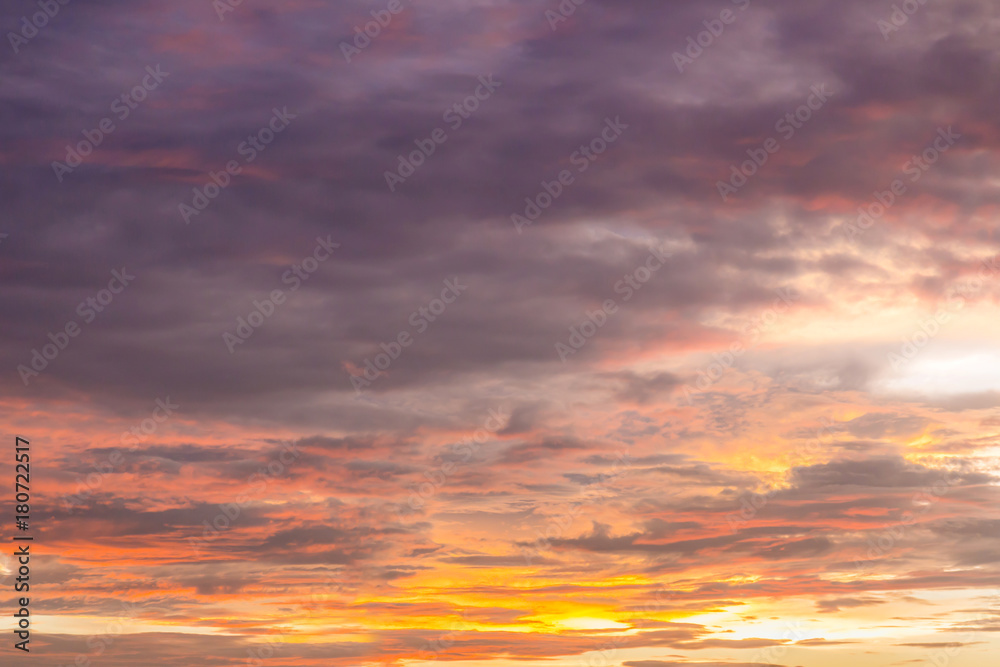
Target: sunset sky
{"points": [[605, 333]]}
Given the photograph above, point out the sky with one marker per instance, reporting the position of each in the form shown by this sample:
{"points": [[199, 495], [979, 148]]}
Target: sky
{"points": [[605, 333]]}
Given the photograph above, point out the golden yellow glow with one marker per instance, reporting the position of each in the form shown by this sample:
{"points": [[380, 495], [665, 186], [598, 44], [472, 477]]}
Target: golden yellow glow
{"points": [[588, 623]]}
